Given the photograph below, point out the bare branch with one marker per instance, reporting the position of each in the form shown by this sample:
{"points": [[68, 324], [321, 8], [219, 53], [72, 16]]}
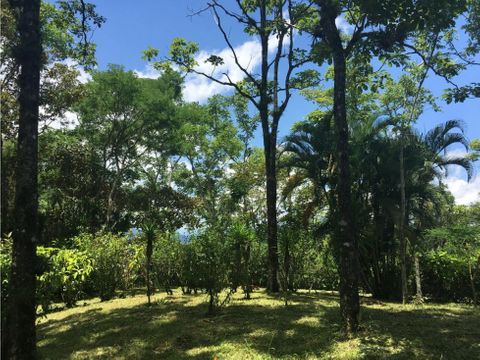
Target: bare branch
{"points": [[232, 49], [229, 83], [246, 19], [428, 64], [199, 12]]}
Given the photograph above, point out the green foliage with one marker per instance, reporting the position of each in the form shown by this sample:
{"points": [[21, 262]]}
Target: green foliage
{"points": [[73, 186], [116, 261], [211, 267], [454, 261], [311, 261], [5, 269], [64, 275], [243, 256], [125, 120], [445, 276], [65, 27], [166, 261]]}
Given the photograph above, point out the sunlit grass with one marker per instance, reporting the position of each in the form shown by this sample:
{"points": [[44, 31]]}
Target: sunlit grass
{"points": [[176, 327]]}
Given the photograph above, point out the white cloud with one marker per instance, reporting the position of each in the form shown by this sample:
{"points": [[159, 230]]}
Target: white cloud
{"points": [[69, 120], [343, 25], [198, 88], [465, 193], [456, 153], [148, 72], [83, 76]]}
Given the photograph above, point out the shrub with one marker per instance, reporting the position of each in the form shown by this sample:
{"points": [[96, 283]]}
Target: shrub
{"points": [[5, 267], [115, 259], [167, 261], [445, 276], [63, 276], [211, 263]]}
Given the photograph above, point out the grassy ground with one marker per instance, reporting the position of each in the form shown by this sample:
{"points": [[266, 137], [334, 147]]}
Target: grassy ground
{"points": [[176, 327]]}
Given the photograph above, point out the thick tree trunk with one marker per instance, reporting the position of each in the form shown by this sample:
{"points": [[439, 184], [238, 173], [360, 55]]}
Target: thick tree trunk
{"points": [[345, 238], [270, 148], [344, 228], [401, 225], [20, 321], [418, 279]]}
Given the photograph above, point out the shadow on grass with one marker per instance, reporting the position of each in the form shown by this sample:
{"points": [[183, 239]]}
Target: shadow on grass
{"points": [[422, 333], [178, 329], [174, 330]]}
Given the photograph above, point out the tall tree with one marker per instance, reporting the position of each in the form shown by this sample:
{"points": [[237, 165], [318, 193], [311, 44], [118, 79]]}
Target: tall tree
{"points": [[404, 101], [379, 28], [18, 341], [20, 322], [273, 22]]}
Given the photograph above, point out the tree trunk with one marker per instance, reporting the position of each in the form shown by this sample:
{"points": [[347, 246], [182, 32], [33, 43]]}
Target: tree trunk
{"points": [[273, 285], [149, 254], [472, 283], [270, 148], [344, 235], [20, 338], [211, 302], [401, 227], [345, 238], [110, 203], [418, 279]]}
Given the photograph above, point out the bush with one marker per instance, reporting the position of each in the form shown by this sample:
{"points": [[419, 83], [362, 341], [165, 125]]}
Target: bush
{"points": [[211, 263], [311, 263], [116, 261], [166, 261], [188, 259], [63, 276], [243, 256], [5, 267], [445, 277]]}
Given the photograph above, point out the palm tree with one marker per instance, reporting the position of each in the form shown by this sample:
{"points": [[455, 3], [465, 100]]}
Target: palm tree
{"points": [[309, 153], [437, 142]]}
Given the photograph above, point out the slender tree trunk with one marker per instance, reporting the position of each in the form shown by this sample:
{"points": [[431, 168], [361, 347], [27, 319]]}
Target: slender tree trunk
{"points": [[149, 254], [401, 225], [110, 202], [286, 261], [418, 279], [211, 302], [349, 299], [248, 282], [20, 321], [273, 285], [472, 283]]}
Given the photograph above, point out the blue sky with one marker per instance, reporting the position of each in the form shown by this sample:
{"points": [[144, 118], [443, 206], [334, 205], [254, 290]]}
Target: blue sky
{"points": [[133, 27]]}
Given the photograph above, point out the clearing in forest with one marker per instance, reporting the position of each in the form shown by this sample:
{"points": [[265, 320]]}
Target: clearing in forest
{"points": [[176, 327]]}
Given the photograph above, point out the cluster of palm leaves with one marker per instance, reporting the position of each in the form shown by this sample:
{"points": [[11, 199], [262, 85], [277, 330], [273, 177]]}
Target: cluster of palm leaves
{"points": [[309, 154]]}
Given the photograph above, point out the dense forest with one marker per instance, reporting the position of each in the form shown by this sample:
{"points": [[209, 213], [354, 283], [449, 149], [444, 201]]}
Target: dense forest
{"points": [[115, 186]]}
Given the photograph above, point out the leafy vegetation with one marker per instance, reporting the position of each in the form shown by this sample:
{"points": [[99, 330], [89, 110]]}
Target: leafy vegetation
{"points": [[148, 193]]}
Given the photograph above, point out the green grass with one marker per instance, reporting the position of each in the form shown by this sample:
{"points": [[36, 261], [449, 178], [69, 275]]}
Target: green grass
{"points": [[176, 327]]}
